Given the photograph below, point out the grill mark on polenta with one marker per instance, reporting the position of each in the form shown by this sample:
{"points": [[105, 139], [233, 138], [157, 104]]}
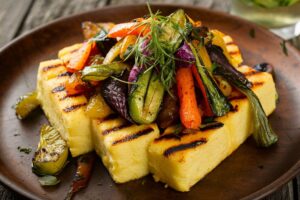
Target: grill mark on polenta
{"points": [[230, 43], [64, 74], [70, 96], [73, 51], [250, 73], [237, 97], [182, 147], [45, 69], [110, 117], [232, 53], [169, 137], [58, 89], [210, 126], [258, 83], [73, 107], [122, 126], [133, 136]]}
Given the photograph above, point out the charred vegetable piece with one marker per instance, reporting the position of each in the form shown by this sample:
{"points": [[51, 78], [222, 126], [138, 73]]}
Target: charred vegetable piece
{"points": [[263, 133], [97, 107], [26, 104], [206, 105], [115, 95], [104, 43], [103, 71], [129, 28], [145, 98], [218, 102], [96, 60], [128, 41], [113, 53], [52, 152], [224, 86], [169, 113], [75, 86], [170, 37], [190, 115], [80, 57], [83, 174], [91, 29]]}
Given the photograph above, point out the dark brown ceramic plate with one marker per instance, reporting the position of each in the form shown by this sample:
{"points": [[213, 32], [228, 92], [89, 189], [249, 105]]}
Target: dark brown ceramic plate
{"points": [[249, 173]]}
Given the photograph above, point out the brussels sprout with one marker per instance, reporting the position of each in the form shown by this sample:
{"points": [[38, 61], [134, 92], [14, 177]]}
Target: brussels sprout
{"points": [[51, 154]]}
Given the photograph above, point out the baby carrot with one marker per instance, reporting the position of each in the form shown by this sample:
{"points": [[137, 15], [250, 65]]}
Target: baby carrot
{"points": [[80, 57], [189, 112]]}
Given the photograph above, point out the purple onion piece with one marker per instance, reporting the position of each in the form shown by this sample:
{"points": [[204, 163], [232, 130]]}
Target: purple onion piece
{"points": [[134, 72], [184, 55], [144, 48]]}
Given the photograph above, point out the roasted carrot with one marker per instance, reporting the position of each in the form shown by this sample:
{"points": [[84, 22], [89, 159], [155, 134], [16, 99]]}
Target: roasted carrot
{"points": [[130, 28], [85, 165], [80, 57], [207, 111], [189, 112]]}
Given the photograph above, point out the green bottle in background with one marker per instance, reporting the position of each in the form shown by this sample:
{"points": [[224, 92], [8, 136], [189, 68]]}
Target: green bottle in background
{"points": [[268, 13]]}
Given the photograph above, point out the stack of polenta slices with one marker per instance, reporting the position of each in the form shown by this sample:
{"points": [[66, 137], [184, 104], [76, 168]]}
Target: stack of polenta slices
{"points": [[131, 151]]}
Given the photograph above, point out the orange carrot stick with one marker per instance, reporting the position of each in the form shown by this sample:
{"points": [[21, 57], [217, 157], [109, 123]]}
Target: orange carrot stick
{"points": [[80, 57], [189, 112], [130, 28], [207, 111]]}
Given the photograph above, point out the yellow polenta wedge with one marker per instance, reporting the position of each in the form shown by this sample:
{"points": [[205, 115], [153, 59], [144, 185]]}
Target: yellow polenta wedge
{"points": [[65, 113], [123, 147], [181, 161]]}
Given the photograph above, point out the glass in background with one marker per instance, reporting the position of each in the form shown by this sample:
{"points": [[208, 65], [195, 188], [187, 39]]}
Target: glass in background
{"points": [[281, 16]]}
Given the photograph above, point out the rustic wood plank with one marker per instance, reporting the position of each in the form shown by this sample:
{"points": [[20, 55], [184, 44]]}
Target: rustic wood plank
{"points": [[45, 11], [221, 5], [285, 193], [296, 183], [11, 16]]}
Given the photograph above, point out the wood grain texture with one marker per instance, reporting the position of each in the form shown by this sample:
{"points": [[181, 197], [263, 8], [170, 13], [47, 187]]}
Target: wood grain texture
{"points": [[284, 193], [44, 11], [12, 14]]}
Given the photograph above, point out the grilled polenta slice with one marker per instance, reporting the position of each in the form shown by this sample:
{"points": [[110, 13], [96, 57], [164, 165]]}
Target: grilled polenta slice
{"points": [[230, 49], [123, 147], [65, 113], [65, 53], [182, 160]]}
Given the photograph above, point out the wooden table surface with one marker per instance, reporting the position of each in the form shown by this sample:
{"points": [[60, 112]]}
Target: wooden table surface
{"points": [[20, 16]]}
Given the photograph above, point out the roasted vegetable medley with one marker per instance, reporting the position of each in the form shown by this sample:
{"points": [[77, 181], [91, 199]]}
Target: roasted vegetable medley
{"points": [[166, 70]]}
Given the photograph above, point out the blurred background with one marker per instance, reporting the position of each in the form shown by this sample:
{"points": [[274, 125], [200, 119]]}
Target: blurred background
{"points": [[282, 17]]}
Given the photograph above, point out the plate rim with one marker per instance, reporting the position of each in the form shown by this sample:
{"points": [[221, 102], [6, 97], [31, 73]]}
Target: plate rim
{"points": [[262, 192]]}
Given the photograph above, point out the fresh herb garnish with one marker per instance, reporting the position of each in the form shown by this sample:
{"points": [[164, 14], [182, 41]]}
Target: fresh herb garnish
{"points": [[283, 47], [24, 150], [252, 33], [156, 49]]}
